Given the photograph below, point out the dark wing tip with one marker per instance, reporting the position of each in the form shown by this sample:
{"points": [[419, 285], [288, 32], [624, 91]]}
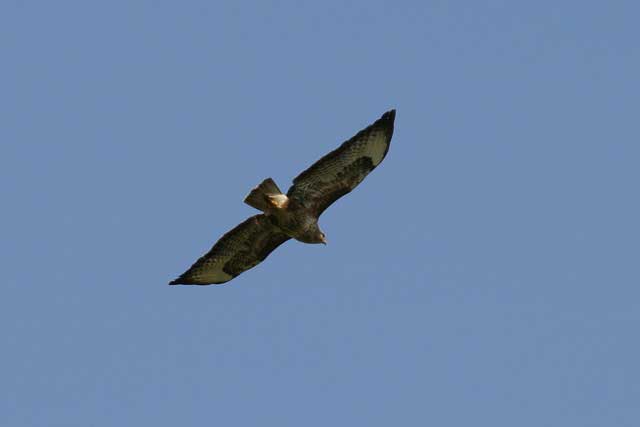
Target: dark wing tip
{"points": [[183, 279], [386, 122], [389, 115]]}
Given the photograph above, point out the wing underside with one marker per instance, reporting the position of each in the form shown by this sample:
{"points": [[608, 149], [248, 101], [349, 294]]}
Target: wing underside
{"points": [[341, 170], [242, 248]]}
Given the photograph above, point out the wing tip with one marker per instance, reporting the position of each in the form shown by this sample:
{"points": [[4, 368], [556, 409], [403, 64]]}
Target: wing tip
{"points": [[189, 281], [387, 122], [183, 279], [389, 116]]}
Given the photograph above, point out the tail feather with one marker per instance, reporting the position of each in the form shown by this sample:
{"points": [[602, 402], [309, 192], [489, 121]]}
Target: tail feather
{"points": [[262, 196]]}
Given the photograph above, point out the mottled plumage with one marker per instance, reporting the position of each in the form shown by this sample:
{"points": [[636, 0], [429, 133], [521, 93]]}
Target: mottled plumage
{"points": [[243, 247], [294, 215]]}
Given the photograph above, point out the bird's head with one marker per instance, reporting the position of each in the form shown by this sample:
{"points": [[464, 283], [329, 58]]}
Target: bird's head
{"points": [[313, 235], [318, 237], [323, 238]]}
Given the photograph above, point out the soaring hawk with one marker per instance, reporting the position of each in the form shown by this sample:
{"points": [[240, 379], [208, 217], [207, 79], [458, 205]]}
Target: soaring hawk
{"points": [[294, 215]]}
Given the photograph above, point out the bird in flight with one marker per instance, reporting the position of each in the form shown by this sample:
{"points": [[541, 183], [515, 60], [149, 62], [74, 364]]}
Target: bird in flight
{"points": [[295, 214]]}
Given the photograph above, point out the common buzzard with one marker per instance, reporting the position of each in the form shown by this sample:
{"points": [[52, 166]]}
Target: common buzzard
{"points": [[294, 215]]}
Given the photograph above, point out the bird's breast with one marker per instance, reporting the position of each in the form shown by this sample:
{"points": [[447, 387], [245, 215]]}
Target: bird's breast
{"points": [[293, 222]]}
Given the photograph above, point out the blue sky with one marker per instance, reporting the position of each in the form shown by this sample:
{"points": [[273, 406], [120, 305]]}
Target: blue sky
{"points": [[486, 273]]}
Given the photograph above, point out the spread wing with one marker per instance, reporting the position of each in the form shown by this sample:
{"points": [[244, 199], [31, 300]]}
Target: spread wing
{"points": [[340, 171], [242, 248]]}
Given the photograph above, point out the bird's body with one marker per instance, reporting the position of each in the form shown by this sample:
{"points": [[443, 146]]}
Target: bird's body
{"points": [[296, 222], [294, 215], [290, 216]]}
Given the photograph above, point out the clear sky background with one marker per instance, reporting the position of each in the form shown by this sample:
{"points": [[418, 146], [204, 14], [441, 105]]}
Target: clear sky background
{"points": [[485, 274]]}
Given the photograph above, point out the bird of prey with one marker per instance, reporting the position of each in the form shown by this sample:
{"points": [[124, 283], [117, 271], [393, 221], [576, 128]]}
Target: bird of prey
{"points": [[295, 214]]}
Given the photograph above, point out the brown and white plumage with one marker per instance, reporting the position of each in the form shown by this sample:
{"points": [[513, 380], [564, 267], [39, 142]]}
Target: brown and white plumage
{"points": [[340, 171], [294, 215], [243, 247]]}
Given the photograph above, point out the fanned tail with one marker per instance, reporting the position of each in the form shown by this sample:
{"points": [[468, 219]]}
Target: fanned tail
{"points": [[266, 196]]}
